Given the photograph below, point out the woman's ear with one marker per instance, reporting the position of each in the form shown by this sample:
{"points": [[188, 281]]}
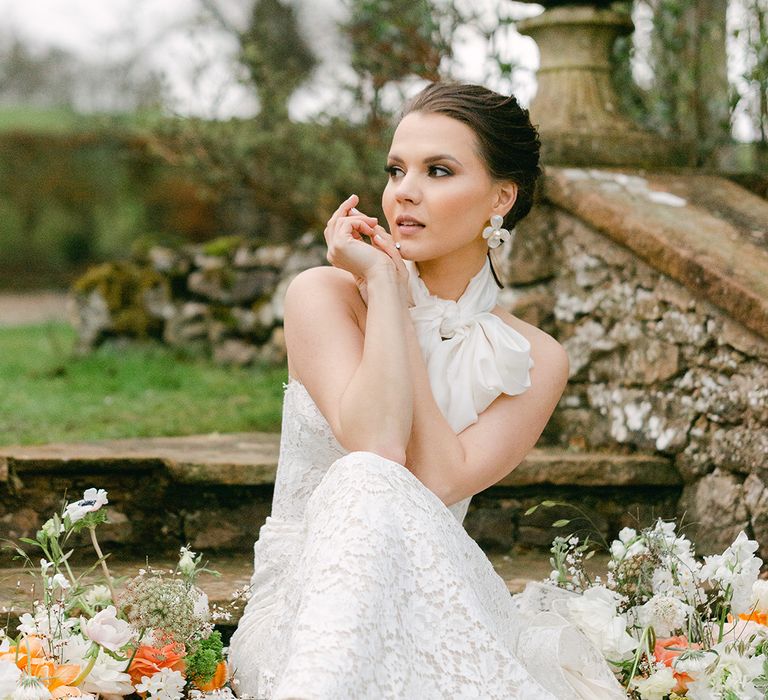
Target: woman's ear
{"points": [[506, 195]]}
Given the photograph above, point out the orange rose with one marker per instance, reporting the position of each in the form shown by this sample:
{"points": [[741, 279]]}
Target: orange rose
{"points": [[149, 660], [218, 680], [667, 649]]}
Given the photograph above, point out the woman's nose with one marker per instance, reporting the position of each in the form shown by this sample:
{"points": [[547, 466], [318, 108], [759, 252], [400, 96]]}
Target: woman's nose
{"points": [[407, 189]]}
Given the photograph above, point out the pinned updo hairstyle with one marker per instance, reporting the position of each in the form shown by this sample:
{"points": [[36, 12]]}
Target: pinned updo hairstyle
{"points": [[508, 142]]}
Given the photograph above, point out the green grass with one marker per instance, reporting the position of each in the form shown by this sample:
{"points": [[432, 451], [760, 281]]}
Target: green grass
{"points": [[35, 120], [48, 394]]}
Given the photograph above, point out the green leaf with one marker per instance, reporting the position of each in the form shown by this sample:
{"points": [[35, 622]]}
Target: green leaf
{"points": [[560, 523], [532, 509]]}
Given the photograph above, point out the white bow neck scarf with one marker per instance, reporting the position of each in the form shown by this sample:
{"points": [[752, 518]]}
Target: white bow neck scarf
{"points": [[481, 357]]}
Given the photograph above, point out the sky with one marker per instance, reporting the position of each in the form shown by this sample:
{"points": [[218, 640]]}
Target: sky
{"points": [[197, 62]]}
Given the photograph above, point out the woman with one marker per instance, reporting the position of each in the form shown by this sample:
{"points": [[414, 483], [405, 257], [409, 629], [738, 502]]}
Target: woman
{"points": [[410, 391]]}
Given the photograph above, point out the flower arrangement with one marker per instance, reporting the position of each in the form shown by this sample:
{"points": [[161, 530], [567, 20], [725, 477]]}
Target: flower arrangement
{"points": [[155, 638], [670, 625]]}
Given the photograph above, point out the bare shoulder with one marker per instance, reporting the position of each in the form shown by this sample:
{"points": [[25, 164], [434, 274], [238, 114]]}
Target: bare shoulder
{"points": [[317, 299], [320, 279], [321, 286], [544, 348]]}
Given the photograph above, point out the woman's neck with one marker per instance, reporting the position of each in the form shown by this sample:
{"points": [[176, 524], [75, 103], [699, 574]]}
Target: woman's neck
{"points": [[448, 277]]}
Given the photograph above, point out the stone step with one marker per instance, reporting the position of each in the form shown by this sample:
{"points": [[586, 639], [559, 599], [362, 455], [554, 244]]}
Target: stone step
{"points": [[16, 595], [250, 459], [213, 492]]}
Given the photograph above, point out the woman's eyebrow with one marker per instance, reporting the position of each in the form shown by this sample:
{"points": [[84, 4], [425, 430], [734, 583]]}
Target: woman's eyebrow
{"points": [[428, 159]]}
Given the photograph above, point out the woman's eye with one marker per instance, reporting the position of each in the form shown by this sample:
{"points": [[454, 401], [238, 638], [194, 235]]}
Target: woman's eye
{"points": [[439, 170], [393, 170]]}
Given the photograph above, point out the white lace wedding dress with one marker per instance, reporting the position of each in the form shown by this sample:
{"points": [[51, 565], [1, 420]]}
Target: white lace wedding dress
{"points": [[367, 586]]}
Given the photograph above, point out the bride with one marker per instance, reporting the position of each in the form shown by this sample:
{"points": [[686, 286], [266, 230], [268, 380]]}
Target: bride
{"points": [[410, 391]]}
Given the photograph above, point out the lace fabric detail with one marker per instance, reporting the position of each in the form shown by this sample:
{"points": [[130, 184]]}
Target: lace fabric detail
{"points": [[307, 448], [366, 586]]}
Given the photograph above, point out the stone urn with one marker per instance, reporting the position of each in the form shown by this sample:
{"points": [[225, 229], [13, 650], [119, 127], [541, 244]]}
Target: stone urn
{"points": [[576, 107]]}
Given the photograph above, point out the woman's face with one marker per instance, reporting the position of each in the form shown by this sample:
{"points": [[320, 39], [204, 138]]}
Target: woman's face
{"points": [[439, 196]]}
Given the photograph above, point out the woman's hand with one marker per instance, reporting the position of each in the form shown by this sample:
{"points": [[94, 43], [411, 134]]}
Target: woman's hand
{"points": [[344, 238], [346, 249], [384, 241]]}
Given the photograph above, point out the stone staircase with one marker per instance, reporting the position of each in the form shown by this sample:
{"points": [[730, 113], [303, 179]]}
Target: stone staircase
{"points": [[213, 492]]}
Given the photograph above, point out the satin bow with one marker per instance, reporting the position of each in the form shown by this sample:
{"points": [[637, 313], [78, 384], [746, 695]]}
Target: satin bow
{"points": [[472, 356]]}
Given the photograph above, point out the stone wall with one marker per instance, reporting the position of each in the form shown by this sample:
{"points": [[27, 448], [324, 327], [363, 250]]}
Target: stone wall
{"points": [[224, 297], [654, 368]]}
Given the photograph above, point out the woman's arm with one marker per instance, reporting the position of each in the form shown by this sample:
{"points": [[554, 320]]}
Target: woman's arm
{"points": [[376, 408], [361, 383]]}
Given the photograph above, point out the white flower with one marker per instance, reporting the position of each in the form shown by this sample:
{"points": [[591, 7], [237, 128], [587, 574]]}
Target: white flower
{"points": [[98, 597], [186, 561], [657, 686], [106, 629], [760, 596], [628, 545], [51, 529], [108, 678], [201, 608], [163, 685], [31, 688], [737, 568], [92, 500], [58, 581], [594, 613], [664, 613], [695, 663], [46, 622], [731, 677], [9, 678]]}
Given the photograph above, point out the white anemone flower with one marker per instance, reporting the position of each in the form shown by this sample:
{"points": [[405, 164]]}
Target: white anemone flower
{"points": [[92, 500]]}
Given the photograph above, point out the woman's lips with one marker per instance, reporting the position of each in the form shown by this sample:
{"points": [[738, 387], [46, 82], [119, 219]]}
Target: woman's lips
{"points": [[409, 227]]}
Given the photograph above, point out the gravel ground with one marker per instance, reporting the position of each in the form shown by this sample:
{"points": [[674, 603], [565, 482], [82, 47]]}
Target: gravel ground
{"points": [[18, 309]]}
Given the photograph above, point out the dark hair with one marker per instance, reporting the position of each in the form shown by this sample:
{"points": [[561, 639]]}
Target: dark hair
{"points": [[508, 142]]}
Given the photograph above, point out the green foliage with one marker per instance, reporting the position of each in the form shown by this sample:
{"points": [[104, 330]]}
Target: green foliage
{"points": [[201, 663], [276, 56], [72, 198], [120, 391], [391, 40], [754, 99], [123, 285], [294, 174]]}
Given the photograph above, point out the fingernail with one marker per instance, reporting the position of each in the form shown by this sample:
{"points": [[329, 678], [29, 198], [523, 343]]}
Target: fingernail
{"points": [[379, 238]]}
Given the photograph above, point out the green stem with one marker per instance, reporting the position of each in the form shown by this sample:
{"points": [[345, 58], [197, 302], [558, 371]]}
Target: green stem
{"points": [[94, 654], [103, 563], [133, 655]]}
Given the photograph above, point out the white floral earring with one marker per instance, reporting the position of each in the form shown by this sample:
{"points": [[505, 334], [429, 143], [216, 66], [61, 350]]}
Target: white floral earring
{"points": [[494, 234]]}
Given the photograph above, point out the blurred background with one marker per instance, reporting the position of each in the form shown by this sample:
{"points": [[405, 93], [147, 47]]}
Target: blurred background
{"points": [[130, 122], [167, 168]]}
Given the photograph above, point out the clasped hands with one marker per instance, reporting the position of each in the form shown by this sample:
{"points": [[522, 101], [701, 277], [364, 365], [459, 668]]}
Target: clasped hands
{"points": [[347, 249]]}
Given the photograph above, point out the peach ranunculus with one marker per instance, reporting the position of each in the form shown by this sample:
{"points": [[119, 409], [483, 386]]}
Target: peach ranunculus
{"points": [[667, 649], [28, 654], [149, 660], [58, 679]]}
